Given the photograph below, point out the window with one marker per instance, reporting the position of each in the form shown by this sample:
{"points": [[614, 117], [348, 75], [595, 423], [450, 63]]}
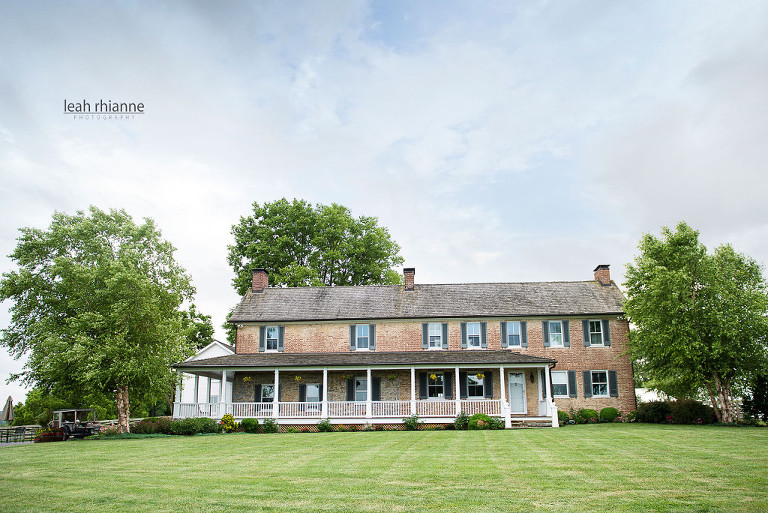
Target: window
{"points": [[599, 384], [560, 383], [272, 338], [513, 334], [476, 385], [596, 333], [435, 386], [473, 335], [267, 393], [361, 389], [363, 336], [213, 390], [435, 335], [555, 333]]}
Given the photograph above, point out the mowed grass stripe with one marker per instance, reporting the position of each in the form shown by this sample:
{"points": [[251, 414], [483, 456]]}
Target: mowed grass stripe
{"points": [[616, 467]]}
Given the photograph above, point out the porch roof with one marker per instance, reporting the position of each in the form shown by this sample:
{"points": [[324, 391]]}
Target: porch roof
{"points": [[359, 359]]}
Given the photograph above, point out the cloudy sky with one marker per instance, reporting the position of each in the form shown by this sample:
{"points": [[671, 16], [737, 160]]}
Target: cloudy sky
{"points": [[498, 141]]}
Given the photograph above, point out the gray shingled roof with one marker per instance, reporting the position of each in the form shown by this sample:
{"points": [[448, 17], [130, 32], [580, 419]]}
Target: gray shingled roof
{"points": [[357, 359], [429, 301]]}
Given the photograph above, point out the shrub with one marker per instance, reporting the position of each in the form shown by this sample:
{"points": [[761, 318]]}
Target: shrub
{"points": [[690, 411], [497, 423], [193, 426], [654, 412], [479, 421], [228, 423], [291, 430], [630, 417], [462, 421], [250, 425], [411, 423], [270, 426], [325, 426], [586, 416], [152, 425], [609, 414], [563, 417]]}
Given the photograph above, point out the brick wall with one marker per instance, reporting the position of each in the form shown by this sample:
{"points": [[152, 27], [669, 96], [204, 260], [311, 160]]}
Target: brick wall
{"points": [[406, 336]]}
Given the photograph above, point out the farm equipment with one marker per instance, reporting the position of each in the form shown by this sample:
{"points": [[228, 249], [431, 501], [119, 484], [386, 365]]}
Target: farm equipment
{"points": [[77, 423]]}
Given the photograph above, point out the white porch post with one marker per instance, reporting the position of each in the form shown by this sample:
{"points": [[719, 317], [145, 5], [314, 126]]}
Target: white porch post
{"points": [[504, 404], [223, 393], [275, 399], [368, 401], [324, 411], [458, 392], [177, 402], [550, 402], [413, 391], [197, 389]]}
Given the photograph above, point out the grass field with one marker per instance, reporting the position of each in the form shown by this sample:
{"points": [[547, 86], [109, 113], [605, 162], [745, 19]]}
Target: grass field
{"points": [[606, 467]]}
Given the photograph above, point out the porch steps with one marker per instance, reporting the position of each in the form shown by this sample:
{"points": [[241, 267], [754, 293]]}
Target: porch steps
{"points": [[531, 423]]}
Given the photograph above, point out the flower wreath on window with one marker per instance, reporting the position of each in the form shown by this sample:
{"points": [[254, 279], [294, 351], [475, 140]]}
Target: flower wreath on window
{"points": [[433, 376], [480, 375]]}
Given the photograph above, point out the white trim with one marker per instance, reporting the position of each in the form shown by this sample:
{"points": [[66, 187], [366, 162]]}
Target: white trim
{"points": [[567, 387], [602, 335], [525, 395], [562, 334], [607, 384]]}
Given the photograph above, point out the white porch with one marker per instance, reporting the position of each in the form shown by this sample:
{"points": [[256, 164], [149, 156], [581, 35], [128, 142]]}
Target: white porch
{"points": [[429, 411]]}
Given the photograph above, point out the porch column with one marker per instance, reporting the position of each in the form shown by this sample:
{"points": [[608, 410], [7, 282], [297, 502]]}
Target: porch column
{"points": [[222, 394], [458, 392], [177, 402], [324, 411], [413, 391], [368, 388], [551, 407], [275, 399], [197, 388], [504, 404]]}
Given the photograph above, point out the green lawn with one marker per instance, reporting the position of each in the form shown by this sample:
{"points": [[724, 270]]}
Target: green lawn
{"points": [[608, 467]]}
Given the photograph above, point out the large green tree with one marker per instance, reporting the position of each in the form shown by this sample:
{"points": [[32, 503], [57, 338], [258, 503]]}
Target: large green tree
{"points": [[700, 319], [305, 245], [97, 306]]}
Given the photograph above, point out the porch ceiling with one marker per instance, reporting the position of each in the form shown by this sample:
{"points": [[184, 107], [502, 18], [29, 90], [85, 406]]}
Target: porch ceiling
{"points": [[373, 358]]}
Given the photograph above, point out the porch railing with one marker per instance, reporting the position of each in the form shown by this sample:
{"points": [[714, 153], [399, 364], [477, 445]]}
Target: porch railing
{"points": [[341, 409]]}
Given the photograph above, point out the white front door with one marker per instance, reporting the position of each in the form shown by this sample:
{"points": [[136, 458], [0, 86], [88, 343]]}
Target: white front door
{"points": [[517, 392]]}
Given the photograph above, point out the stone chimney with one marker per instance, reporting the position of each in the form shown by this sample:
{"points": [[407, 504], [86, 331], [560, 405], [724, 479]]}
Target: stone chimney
{"points": [[260, 280], [603, 275], [408, 274]]}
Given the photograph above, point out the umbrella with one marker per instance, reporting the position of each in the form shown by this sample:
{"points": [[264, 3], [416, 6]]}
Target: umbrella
{"points": [[7, 414]]}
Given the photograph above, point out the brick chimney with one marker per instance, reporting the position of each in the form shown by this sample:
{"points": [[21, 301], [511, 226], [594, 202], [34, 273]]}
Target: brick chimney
{"points": [[408, 274], [260, 280], [603, 275]]}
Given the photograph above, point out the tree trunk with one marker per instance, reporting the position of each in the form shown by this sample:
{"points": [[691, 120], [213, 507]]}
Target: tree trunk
{"points": [[713, 399], [723, 407], [123, 410]]}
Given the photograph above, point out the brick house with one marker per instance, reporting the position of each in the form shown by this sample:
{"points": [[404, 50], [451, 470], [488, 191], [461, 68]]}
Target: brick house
{"points": [[376, 354]]}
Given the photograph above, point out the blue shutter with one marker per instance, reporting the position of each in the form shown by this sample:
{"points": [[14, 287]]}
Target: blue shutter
{"points": [[488, 384], [375, 389], [606, 332], [281, 339], [351, 389], [257, 394], [422, 385], [613, 384], [566, 335], [483, 338], [523, 334], [352, 338], [262, 338], [445, 335], [585, 329], [425, 336], [372, 337], [587, 375], [320, 391], [572, 392], [543, 381], [463, 385], [503, 330], [545, 330], [463, 335], [447, 385]]}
